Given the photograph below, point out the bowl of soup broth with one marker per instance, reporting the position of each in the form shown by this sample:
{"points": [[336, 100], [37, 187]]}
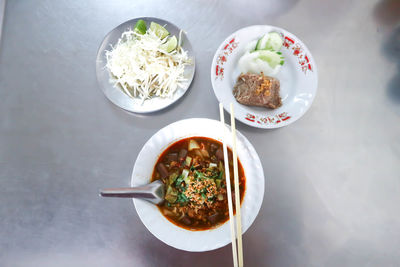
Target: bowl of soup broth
{"points": [[192, 170], [187, 157]]}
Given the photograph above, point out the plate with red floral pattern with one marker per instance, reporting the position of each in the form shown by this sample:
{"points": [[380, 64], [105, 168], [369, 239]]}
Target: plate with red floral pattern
{"points": [[298, 77]]}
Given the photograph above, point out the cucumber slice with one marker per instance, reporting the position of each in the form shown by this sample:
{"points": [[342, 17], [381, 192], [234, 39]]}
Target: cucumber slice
{"points": [[261, 42], [272, 58], [159, 30], [141, 26], [271, 41], [170, 45], [274, 41]]}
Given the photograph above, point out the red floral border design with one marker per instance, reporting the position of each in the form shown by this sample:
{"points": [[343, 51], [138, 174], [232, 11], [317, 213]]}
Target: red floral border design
{"points": [[298, 50], [223, 56], [268, 120]]}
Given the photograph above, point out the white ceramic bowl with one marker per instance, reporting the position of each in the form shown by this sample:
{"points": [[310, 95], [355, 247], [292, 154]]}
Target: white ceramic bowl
{"points": [[168, 232], [298, 78]]}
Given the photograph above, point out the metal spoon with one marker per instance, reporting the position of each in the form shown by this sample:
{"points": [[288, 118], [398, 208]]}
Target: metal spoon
{"points": [[153, 192]]}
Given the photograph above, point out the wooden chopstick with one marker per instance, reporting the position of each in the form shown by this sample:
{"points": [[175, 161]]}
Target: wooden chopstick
{"points": [[237, 190], [228, 186]]}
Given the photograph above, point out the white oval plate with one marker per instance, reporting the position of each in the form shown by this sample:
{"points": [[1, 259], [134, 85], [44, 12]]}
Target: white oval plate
{"points": [[115, 94], [298, 78], [168, 232]]}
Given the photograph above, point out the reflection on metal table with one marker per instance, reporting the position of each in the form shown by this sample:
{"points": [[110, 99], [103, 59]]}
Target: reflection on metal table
{"points": [[331, 178]]}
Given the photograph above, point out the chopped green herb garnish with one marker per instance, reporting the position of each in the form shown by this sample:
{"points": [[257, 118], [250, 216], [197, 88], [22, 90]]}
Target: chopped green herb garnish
{"points": [[182, 198], [178, 182], [199, 175]]}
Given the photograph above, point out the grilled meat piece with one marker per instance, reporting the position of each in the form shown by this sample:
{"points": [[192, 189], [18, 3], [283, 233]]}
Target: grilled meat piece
{"points": [[257, 90]]}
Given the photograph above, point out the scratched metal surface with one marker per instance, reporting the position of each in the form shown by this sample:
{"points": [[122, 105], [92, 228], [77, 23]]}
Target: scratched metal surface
{"points": [[332, 178]]}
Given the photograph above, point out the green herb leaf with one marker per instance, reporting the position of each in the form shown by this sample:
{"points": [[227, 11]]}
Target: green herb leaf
{"points": [[179, 180], [182, 198], [198, 174]]}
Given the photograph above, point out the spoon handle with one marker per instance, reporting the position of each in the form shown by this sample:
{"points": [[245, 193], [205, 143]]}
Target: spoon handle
{"points": [[153, 192], [129, 192]]}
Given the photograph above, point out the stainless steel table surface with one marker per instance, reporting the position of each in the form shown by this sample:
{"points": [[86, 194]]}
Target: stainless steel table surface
{"points": [[332, 178]]}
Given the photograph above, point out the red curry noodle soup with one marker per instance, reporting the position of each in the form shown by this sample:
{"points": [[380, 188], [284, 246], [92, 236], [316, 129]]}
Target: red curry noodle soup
{"points": [[192, 170]]}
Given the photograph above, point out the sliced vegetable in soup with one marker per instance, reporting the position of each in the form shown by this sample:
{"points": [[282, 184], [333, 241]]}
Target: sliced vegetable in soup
{"points": [[192, 170]]}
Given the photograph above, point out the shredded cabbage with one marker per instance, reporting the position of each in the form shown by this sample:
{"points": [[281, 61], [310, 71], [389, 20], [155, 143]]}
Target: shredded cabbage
{"points": [[142, 69]]}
